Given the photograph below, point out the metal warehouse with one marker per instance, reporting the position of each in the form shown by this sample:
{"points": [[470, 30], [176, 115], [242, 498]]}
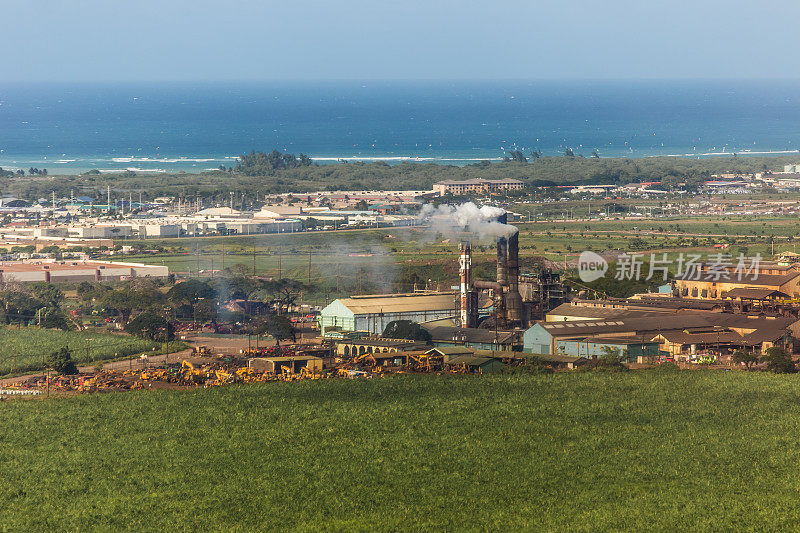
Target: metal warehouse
{"points": [[373, 312]]}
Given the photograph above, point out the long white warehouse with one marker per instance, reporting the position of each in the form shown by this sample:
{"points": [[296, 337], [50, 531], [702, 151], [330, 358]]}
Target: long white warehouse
{"points": [[72, 271]]}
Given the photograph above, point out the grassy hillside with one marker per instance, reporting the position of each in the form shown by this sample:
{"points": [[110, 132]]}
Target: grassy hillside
{"points": [[643, 450]]}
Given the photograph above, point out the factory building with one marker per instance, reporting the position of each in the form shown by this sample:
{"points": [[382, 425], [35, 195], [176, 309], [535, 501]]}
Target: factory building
{"points": [[480, 339], [356, 347], [632, 348], [75, 271], [373, 312], [716, 283], [677, 335], [711, 286], [585, 310]]}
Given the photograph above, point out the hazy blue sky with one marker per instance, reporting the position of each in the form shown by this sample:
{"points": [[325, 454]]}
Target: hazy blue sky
{"points": [[378, 39]]}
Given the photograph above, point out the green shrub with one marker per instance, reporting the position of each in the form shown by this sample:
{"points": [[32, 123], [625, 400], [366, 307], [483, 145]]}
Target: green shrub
{"points": [[61, 361]]}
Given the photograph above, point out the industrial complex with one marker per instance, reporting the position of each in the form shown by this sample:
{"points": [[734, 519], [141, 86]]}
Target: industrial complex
{"points": [[479, 323]]}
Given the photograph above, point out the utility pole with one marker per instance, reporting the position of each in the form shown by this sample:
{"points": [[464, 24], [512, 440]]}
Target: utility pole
{"points": [[254, 257], [309, 267], [280, 273]]}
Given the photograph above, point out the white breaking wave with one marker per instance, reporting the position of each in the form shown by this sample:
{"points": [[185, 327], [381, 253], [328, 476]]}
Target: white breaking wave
{"points": [[405, 158], [133, 159], [738, 152]]}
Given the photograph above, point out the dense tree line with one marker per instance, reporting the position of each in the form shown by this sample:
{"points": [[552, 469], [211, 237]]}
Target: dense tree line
{"points": [[38, 303], [146, 310], [264, 164]]}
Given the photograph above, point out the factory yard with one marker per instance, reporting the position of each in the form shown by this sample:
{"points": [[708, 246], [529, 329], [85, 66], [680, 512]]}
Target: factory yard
{"points": [[462, 452], [500, 402]]}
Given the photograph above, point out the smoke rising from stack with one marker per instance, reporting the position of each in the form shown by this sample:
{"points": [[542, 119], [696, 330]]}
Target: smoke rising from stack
{"points": [[483, 223], [451, 220]]}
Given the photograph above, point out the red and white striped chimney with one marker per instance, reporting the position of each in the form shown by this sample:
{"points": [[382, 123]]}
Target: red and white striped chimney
{"points": [[466, 281]]}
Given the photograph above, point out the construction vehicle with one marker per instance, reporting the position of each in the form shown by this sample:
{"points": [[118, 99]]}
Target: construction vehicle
{"points": [[201, 350], [351, 373], [286, 373], [305, 373]]}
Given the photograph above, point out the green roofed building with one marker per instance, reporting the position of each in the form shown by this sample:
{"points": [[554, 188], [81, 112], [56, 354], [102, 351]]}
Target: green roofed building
{"points": [[478, 365], [372, 313]]}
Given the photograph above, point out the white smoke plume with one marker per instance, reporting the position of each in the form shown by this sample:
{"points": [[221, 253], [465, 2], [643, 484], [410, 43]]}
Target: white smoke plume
{"points": [[345, 262], [453, 219]]}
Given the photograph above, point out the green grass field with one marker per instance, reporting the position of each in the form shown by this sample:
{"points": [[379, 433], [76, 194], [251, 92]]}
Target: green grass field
{"points": [[26, 348], [642, 450]]}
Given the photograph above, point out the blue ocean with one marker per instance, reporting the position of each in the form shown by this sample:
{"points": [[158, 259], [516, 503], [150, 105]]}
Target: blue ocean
{"points": [[68, 128]]}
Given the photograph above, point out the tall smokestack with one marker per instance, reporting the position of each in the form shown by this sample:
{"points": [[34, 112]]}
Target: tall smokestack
{"points": [[514, 306], [502, 254], [466, 274]]}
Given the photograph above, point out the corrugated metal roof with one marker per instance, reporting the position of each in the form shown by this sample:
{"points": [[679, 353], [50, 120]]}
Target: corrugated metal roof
{"points": [[498, 354], [686, 337], [447, 334], [405, 303], [758, 294], [666, 322], [556, 358], [626, 310], [452, 350], [626, 341], [287, 358], [469, 360], [764, 335]]}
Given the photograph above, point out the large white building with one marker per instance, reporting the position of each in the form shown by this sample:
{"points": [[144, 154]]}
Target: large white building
{"points": [[74, 271]]}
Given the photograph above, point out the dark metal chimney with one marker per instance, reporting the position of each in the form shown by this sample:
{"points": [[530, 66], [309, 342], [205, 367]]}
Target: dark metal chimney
{"points": [[513, 300], [502, 255]]}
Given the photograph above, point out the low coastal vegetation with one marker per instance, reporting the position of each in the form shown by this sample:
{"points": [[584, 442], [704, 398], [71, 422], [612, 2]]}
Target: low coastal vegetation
{"points": [[638, 450], [259, 173]]}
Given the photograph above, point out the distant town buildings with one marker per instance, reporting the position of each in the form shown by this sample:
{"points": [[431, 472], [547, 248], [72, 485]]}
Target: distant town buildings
{"points": [[477, 186]]}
